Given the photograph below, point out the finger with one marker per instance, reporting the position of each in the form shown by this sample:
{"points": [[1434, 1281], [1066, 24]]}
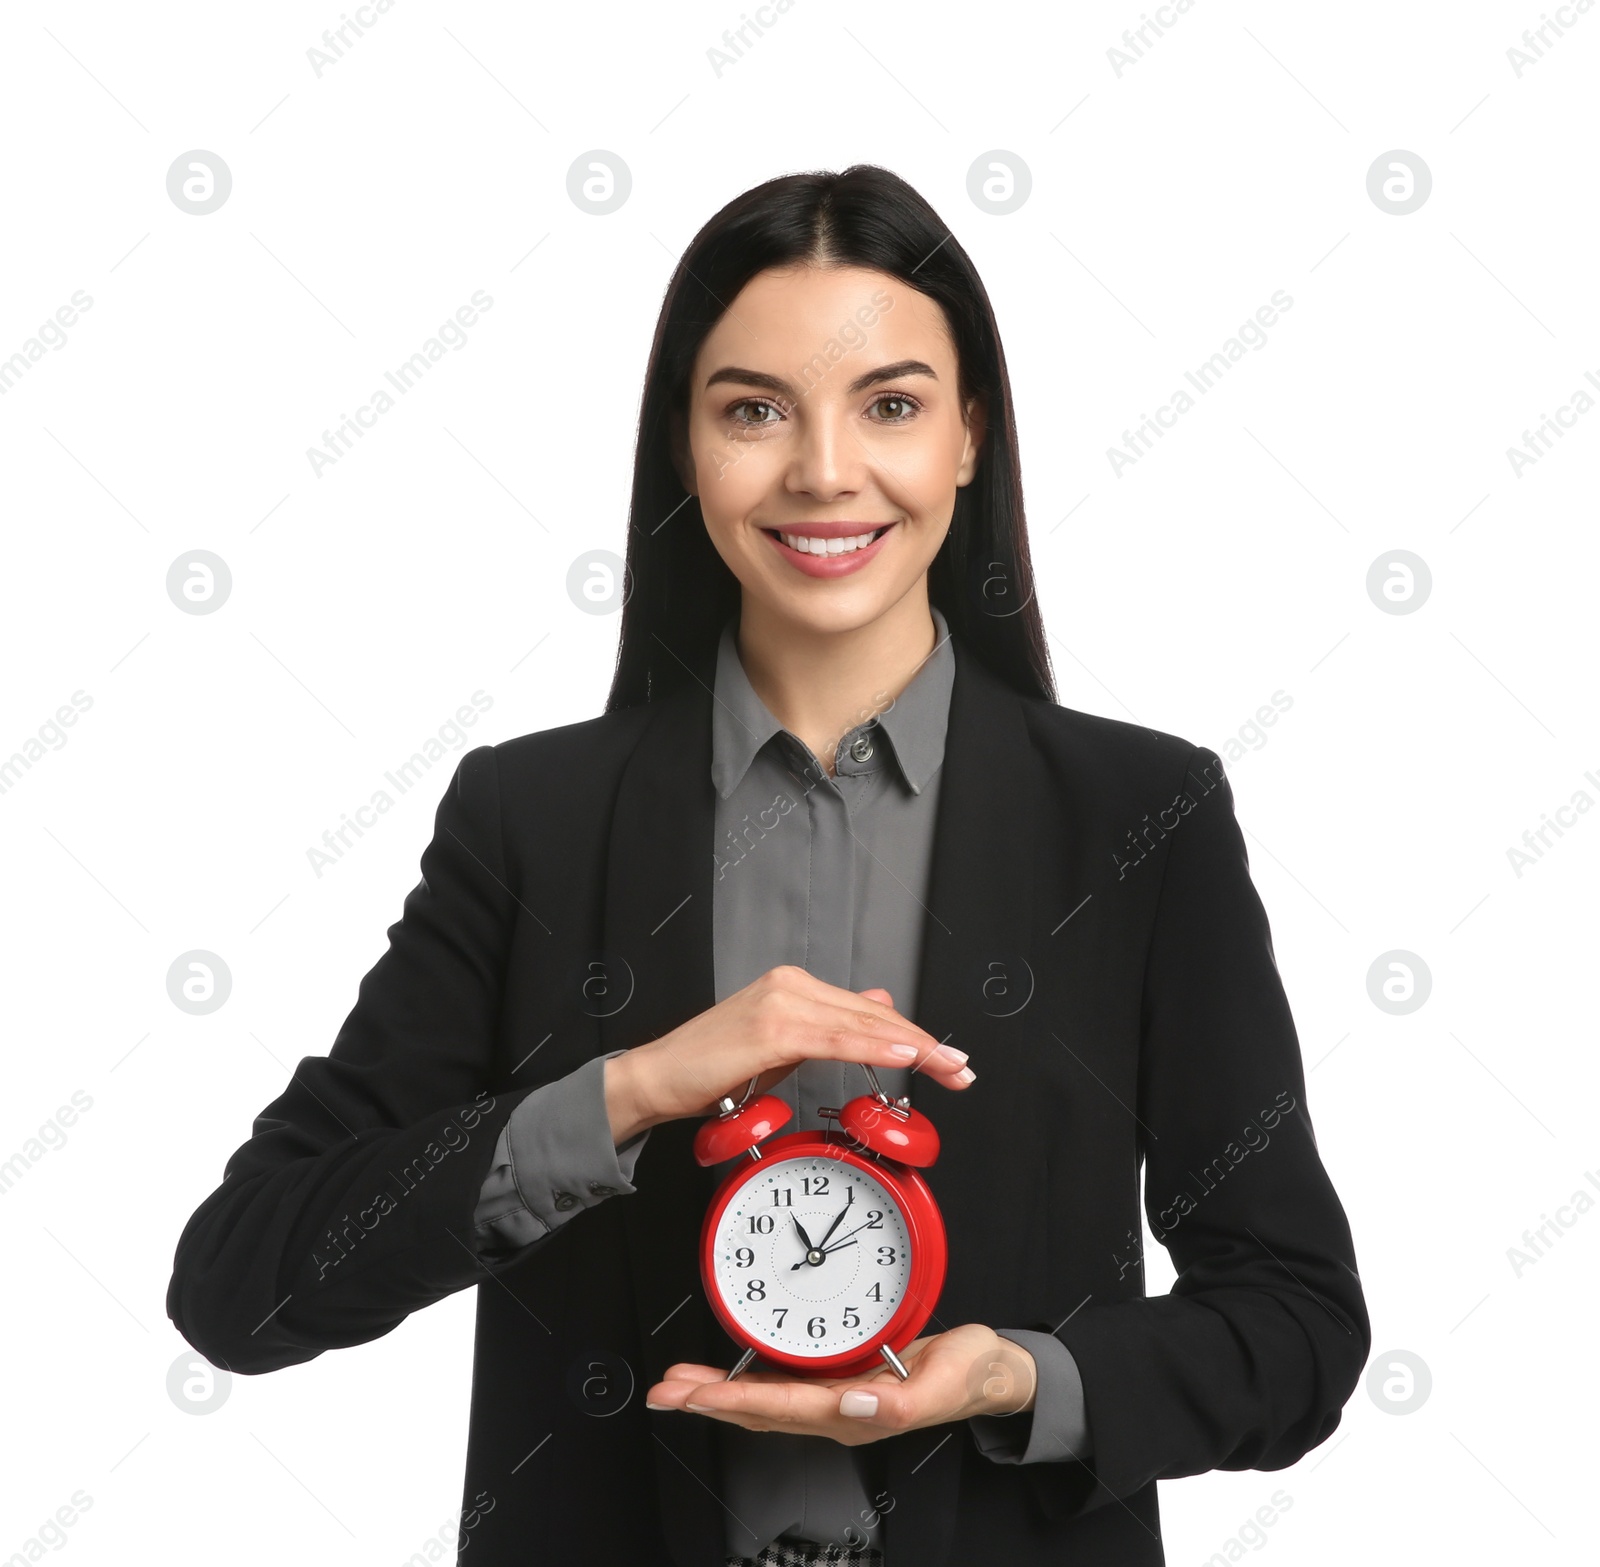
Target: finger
{"points": [[681, 1379], [947, 1066], [881, 1039], [874, 999], [787, 1404], [880, 1027], [879, 1001], [674, 1391], [927, 1397], [692, 1370], [837, 1410], [866, 1405], [668, 1395]]}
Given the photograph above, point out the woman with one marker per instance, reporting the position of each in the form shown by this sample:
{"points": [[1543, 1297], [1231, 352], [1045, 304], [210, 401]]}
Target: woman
{"points": [[833, 673]]}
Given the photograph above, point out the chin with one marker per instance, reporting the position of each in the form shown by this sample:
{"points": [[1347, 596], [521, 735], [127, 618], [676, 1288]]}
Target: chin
{"points": [[843, 613]]}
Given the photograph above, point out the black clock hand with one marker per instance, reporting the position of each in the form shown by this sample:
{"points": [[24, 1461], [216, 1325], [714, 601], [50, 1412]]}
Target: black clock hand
{"points": [[805, 1239], [844, 1240], [822, 1248], [850, 1198]]}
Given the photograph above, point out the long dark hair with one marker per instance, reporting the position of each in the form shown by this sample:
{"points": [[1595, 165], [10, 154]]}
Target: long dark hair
{"points": [[680, 591]]}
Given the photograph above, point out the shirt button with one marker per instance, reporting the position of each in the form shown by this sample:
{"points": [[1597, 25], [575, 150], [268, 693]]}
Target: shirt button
{"points": [[564, 1200], [861, 749], [600, 1189]]}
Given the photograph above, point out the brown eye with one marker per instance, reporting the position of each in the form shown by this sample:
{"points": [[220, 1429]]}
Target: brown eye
{"points": [[737, 412], [903, 408]]}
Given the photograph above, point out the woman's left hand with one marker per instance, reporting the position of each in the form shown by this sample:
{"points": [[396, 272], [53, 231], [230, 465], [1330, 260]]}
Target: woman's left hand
{"points": [[969, 1370]]}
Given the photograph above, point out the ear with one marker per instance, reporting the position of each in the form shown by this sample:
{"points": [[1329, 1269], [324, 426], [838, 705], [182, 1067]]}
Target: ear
{"points": [[976, 418], [682, 457]]}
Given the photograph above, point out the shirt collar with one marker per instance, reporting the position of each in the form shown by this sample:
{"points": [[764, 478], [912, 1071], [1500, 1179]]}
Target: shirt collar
{"points": [[915, 722]]}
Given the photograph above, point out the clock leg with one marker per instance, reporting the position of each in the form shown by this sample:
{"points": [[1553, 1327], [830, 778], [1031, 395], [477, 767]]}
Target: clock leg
{"points": [[744, 1360], [896, 1364]]}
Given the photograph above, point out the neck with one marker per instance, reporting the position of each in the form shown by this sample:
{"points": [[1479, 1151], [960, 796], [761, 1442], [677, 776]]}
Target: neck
{"points": [[820, 684]]}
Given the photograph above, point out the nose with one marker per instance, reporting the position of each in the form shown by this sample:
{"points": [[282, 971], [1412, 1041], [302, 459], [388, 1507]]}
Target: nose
{"points": [[829, 460]]}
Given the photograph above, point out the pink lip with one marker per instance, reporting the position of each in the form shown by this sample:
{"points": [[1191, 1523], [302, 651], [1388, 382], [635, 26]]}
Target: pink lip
{"points": [[831, 565]]}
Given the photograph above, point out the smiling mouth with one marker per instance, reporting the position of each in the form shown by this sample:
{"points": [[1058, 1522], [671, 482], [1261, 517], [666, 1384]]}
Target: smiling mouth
{"points": [[846, 544]]}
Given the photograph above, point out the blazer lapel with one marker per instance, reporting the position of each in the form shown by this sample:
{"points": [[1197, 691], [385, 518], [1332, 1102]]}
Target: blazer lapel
{"points": [[974, 982]]}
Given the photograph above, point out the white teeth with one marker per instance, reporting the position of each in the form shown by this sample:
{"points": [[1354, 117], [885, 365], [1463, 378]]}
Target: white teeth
{"points": [[810, 546]]}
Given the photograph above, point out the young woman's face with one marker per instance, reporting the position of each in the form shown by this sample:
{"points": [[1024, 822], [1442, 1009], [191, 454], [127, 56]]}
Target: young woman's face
{"points": [[824, 415]]}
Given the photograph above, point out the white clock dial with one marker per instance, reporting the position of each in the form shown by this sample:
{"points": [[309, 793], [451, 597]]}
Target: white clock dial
{"points": [[833, 1296]]}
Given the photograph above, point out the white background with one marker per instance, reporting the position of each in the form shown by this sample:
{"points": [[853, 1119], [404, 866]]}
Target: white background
{"points": [[368, 604]]}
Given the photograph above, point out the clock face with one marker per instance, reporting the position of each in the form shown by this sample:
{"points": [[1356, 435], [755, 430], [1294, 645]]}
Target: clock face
{"points": [[791, 1290]]}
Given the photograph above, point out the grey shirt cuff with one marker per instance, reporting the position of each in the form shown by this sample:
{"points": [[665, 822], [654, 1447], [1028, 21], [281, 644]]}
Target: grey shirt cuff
{"points": [[554, 1158], [1057, 1427]]}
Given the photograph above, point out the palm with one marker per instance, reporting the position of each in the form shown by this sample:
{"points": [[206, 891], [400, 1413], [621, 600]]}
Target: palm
{"points": [[952, 1374]]}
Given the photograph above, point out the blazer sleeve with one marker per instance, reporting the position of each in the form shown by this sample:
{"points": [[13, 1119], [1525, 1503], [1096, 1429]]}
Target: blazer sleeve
{"points": [[1248, 1360], [352, 1204]]}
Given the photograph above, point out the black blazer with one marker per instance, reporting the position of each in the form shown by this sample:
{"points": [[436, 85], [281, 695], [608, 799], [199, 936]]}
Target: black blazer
{"points": [[1095, 944]]}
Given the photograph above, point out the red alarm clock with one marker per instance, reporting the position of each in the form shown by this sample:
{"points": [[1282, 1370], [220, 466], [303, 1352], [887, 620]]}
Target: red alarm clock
{"points": [[822, 1252]]}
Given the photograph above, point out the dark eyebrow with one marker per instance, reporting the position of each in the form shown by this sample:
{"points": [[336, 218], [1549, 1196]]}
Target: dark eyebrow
{"points": [[770, 383], [775, 383], [894, 372]]}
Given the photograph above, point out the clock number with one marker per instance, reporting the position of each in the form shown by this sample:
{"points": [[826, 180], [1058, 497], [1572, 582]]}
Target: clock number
{"points": [[851, 1318], [816, 1328], [743, 1257], [780, 1312], [875, 1293], [761, 1224], [885, 1256], [819, 1190], [874, 1219], [783, 1198], [756, 1289]]}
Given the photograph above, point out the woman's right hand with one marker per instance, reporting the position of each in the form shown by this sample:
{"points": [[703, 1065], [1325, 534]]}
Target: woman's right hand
{"points": [[764, 1031]]}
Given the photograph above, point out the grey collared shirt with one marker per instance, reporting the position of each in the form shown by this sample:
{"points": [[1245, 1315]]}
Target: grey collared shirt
{"points": [[829, 874]]}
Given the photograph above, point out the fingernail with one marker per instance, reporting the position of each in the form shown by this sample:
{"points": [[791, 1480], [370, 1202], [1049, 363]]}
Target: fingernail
{"points": [[700, 1409], [862, 1405], [950, 1053], [649, 1405], [903, 1052], [965, 1075]]}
